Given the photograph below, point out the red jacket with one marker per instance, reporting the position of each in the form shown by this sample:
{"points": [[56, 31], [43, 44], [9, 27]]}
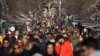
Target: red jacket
{"points": [[64, 49]]}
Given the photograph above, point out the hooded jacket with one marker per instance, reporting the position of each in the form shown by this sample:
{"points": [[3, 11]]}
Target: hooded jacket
{"points": [[64, 49]]}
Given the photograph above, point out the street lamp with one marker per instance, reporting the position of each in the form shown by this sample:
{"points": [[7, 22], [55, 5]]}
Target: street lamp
{"points": [[59, 4], [12, 28], [49, 5]]}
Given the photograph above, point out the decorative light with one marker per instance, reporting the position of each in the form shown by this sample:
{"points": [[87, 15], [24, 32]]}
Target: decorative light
{"points": [[12, 28]]}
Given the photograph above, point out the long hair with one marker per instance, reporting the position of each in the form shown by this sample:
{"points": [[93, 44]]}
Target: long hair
{"points": [[46, 53]]}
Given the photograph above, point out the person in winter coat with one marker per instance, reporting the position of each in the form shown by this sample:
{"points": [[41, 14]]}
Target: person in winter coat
{"points": [[63, 46]]}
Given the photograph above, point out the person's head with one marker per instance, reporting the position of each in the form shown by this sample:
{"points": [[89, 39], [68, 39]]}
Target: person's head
{"points": [[17, 32], [20, 43], [24, 41], [17, 49], [29, 46], [50, 49], [88, 46], [60, 38], [96, 53], [6, 43], [37, 54], [25, 36]]}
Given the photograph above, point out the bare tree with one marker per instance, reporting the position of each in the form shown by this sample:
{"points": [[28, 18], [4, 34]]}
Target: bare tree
{"points": [[77, 7], [21, 6]]}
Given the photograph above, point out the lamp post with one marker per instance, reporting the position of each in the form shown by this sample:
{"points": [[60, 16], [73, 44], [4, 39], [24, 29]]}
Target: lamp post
{"points": [[49, 5], [59, 4]]}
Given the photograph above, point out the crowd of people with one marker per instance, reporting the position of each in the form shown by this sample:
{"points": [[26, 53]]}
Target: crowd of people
{"points": [[48, 37]]}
